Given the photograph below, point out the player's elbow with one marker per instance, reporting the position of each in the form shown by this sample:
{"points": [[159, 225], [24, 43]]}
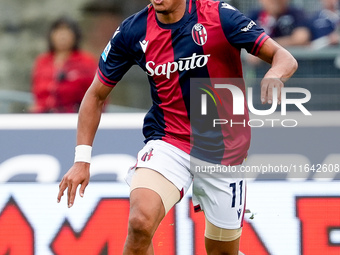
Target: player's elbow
{"points": [[291, 66], [294, 64], [289, 61]]}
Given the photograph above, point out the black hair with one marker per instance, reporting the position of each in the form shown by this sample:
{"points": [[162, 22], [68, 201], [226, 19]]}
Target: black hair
{"points": [[71, 24]]}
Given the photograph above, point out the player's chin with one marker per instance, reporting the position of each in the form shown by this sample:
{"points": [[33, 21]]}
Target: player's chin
{"points": [[162, 11]]}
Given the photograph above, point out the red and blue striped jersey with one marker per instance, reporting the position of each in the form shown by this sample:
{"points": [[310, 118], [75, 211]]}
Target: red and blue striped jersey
{"points": [[205, 43]]}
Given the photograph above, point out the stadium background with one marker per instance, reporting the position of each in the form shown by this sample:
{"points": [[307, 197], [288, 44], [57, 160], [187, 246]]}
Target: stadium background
{"points": [[290, 215]]}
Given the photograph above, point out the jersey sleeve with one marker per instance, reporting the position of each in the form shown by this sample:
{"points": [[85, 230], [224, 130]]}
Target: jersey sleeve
{"points": [[241, 31], [115, 60]]}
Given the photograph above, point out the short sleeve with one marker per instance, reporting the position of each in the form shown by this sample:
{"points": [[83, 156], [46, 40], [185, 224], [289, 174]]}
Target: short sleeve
{"points": [[115, 60], [241, 31]]}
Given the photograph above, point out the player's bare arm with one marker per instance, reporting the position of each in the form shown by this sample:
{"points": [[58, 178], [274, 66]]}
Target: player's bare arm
{"points": [[283, 66], [90, 111], [88, 121]]}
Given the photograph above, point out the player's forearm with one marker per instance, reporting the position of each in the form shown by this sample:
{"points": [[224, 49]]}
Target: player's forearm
{"points": [[88, 121], [283, 66]]}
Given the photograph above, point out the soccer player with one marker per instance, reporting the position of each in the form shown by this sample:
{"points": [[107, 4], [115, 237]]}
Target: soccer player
{"points": [[173, 41]]}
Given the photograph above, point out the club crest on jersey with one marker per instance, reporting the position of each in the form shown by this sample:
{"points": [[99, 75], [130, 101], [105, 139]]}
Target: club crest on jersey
{"points": [[199, 34], [147, 155]]}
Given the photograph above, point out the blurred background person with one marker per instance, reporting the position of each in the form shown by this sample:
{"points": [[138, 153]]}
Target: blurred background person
{"points": [[286, 24], [62, 75], [100, 18], [325, 24]]}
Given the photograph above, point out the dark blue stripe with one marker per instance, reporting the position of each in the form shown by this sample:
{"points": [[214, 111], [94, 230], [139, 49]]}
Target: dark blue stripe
{"points": [[154, 123], [207, 142]]}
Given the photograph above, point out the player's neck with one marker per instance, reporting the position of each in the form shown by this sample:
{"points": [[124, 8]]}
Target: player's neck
{"points": [[172, 16]]}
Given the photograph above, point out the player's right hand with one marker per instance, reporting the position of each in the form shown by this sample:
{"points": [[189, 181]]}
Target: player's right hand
{"points": [[267, 87], [79, 173]]}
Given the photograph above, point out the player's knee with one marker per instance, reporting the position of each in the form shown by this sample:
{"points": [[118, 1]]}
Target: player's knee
{"points": [[140, 224], [220, 234]]}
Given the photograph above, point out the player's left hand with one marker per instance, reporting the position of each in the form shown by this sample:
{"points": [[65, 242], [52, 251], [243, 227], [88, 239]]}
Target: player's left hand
{"points": [[267, 88]]}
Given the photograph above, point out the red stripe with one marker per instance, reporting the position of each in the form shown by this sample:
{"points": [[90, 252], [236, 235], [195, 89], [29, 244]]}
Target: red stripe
{"points": [[258, 40], [197, 38], [224, 66], [160, 51], [197, 208], [260, 44], [181, 194], [201, 38], [190, 6], [105, 80]]}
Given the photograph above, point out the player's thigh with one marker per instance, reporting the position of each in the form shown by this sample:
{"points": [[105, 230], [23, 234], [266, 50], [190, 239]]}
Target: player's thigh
{"points": [[151, 189], [162, 168], [146, 210]]}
